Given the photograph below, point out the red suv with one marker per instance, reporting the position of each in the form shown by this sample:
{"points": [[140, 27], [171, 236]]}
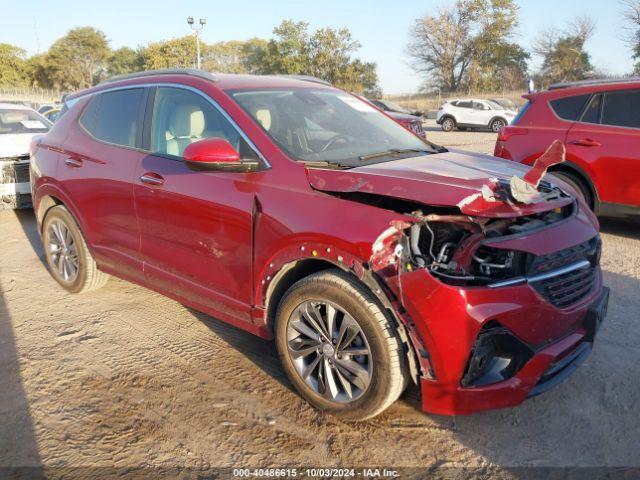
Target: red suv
{"points": [[296, 211], [599, 122]]}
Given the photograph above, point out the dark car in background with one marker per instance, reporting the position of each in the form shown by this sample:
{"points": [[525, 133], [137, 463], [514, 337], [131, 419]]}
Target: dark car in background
{"points": [[599, 123], [408, 120]]}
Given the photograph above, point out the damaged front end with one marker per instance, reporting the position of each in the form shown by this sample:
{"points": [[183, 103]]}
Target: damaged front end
{"points": [[500, 302]]}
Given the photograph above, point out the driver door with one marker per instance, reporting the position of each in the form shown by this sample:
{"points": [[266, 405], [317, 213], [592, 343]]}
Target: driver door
{"points": [[195, 226]]}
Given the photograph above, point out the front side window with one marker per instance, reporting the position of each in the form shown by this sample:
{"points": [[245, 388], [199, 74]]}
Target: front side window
{"points": [[114, 117], [326, 125], [569, 108], [14, 121], [182, 117], [622, 109]]}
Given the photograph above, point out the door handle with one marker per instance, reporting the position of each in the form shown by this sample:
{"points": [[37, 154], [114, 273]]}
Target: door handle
{"points": [[585, 142], [151, 178], [73, 162]]}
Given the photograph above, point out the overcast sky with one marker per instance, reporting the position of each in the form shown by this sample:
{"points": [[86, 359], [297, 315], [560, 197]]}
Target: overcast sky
{"points": [[382, 27]]}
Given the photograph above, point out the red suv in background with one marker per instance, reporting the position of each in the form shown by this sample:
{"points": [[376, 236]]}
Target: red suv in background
{"points": [[599, 123], [296, 211]]}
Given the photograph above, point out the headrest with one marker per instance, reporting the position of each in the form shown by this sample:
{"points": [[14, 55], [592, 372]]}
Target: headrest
{"points": [[187, 121], [264, 117]]}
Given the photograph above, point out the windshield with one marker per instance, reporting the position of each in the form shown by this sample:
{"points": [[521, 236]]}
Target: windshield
{"points": [[495, 105], [22, 121], [323, 125]]}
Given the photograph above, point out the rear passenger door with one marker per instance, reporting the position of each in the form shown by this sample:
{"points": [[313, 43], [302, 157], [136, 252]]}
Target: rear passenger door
{"points": [[96, 172], [606, 139]]}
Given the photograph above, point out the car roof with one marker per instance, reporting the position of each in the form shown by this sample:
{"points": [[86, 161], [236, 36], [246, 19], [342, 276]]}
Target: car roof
{"points": [[224, 81], [595, 82]]}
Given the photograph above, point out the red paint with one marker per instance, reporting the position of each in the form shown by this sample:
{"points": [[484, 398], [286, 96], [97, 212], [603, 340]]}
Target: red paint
{"points": [[217, 240], [211, 150], [604, 157]]}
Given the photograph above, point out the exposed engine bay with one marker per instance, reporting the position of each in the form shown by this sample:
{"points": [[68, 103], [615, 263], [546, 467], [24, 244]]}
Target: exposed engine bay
{"points": [[456, 248]]}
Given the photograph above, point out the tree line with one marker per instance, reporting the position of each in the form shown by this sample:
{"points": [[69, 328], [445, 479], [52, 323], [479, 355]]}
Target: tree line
{"points": [[83, 58], [469, 45]]}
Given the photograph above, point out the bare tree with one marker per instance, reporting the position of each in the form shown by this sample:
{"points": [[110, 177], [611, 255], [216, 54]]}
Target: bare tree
{"points": [[468, 44], [631, 34], [564, 56], [440, 46]]}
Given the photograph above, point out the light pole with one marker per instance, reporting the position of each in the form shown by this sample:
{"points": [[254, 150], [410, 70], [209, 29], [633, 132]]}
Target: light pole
{"points": [[197, 29]]}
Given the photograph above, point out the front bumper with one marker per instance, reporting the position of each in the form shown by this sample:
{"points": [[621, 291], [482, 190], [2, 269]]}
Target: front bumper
{"points": [[451, 318]]}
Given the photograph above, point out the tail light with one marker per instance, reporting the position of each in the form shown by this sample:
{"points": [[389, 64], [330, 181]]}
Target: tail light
{"points": [[506, 132], [35, 141]]}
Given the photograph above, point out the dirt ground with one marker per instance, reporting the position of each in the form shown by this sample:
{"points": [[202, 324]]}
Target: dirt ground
{"points": [[123, 377]]}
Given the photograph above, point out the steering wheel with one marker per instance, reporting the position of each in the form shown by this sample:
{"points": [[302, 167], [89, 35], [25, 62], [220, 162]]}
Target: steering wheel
{"points": [[333, 140]]}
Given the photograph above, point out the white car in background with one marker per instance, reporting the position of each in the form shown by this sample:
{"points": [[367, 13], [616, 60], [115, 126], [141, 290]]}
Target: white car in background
{"points": [[473, 113], [18, 126]]}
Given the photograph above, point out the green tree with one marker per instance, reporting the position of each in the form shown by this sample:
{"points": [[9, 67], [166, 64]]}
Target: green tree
{"points": [[13, 66], [326, 54], [174, 53], [78, 60], [469, 45], [234, 56], [38, 71], [124, 60], [564, 56]]}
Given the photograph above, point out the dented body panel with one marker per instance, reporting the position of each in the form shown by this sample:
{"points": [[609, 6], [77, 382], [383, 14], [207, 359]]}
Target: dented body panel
{"points": [[454, 178], [438, 239]]}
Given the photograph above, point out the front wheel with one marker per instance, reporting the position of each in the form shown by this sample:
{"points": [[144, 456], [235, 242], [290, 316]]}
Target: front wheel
{"points": [[338, 348], [448, 124], [68, 257], [497, 124]]}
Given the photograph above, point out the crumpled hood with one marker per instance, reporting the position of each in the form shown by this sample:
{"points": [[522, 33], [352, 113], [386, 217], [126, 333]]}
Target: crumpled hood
{"points": [[452, 178], [15, 144]]}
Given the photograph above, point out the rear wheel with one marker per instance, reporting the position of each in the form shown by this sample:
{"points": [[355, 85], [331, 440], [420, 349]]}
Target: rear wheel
{"points": [[70, 262], [339, 350], [448, 124], [578, 185], [497, 124]]}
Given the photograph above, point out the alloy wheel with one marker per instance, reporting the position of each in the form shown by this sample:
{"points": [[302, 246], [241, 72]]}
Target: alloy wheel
{"points": [[62, 251], [329, 351]]}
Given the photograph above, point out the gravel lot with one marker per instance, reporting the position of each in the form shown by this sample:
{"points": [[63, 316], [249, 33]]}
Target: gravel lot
{"points": [[123, 377]]}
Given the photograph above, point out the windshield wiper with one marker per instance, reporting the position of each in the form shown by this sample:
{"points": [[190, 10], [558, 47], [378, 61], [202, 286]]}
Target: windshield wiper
{"points": [[324, 164], [393, 152]]}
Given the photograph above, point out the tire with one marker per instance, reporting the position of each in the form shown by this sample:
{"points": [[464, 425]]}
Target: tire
{"points": [[496, 124], [448, 124], [69, 260], [578, 185], [374, 380]]}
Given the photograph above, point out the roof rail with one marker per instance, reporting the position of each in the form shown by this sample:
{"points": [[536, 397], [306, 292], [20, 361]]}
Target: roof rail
{"points": [[594, 81], [164, 71], [306, 78]]}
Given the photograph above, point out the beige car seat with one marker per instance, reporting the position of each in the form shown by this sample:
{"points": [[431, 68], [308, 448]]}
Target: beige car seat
{"points": [[186, 125]]}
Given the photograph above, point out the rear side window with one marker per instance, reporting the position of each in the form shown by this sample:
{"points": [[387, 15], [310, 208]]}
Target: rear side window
{"points": [[463, 104], [114, 117], [569, 108], [622, 109], [592, 113]]}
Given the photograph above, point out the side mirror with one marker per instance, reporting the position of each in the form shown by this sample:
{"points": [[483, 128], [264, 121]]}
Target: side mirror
{"points": [[215, 154]]}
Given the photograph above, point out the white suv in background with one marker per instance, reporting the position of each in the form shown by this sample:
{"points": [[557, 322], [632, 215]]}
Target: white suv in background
{"points": [[473, 113]]}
